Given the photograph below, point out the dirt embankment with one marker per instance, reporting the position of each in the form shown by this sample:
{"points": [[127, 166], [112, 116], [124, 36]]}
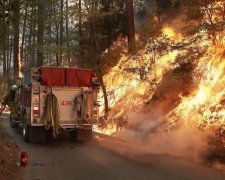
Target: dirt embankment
{"points": [[9, 157]]}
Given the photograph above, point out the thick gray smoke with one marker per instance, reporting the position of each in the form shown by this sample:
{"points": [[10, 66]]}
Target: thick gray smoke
{"points": [[151, 136]]}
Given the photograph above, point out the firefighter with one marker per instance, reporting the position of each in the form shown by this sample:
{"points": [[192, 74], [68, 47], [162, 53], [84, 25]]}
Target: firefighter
{"points": [[10, 100]]}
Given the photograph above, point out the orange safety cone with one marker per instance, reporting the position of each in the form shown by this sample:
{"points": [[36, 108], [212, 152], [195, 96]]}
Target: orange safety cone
{"points": [[24, 159]]}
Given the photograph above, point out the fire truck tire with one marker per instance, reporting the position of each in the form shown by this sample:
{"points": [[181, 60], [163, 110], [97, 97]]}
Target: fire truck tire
{"points": [[13, 124], [33, 134]]}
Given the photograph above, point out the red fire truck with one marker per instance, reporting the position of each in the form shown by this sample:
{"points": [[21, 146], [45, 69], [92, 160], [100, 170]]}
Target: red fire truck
{"points": [[56, 99]]}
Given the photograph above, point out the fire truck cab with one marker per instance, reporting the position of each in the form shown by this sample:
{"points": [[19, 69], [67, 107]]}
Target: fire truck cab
{"points": [[75, 102]]}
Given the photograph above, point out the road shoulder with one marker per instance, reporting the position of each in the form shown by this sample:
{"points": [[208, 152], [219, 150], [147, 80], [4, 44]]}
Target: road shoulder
{"points": [[9, 156]]}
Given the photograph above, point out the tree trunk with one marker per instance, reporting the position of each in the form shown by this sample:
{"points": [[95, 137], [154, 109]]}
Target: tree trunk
{"points": [[4, 39], [80, 34], [16, 15], [67, 33], [29, 44], [40, 33], [23, 34], [10, 54], [61, 32], [57, 44], [130, 25], [50, 32], [33, 36]]}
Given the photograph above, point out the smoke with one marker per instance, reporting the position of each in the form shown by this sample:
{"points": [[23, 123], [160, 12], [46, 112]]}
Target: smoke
{"points": [[148, 131], [164, 11], [151, 136], [218, 165], [141, 12]]}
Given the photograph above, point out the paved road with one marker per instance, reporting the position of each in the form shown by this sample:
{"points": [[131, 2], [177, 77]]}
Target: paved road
{"points": [[63, 159]]}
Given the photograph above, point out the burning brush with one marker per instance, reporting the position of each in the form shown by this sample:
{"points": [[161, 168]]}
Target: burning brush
{"points": [[179, 79]]}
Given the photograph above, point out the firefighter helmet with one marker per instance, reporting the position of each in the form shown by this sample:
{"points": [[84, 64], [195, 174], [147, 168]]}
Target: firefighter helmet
{"points": [[14, 87]]}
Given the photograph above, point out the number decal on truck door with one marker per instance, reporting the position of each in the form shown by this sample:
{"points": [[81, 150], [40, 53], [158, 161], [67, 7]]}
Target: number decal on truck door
{"points": [[66, 103]]}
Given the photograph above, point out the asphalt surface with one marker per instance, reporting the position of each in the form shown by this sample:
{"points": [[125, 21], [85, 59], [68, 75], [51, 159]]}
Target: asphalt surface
{"points": [[63, 159]]}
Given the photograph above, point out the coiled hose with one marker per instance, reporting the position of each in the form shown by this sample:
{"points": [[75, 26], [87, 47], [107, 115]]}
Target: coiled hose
{"points": [[51, 114], [80, 106]]}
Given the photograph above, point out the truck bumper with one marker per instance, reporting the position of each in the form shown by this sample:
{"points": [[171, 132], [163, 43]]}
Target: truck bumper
{"points": [[76, 126]]}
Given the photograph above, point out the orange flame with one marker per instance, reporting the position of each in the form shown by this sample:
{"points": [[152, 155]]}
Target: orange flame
{"points": [[129, 89]]}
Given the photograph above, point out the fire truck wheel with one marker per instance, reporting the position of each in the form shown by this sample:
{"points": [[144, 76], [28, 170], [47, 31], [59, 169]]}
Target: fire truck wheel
{"points": [[32, 133], [13, 124]]}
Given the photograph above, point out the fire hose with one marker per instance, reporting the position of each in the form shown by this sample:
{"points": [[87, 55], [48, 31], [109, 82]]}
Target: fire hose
{"points": [[51, 114], [80, 107]]}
